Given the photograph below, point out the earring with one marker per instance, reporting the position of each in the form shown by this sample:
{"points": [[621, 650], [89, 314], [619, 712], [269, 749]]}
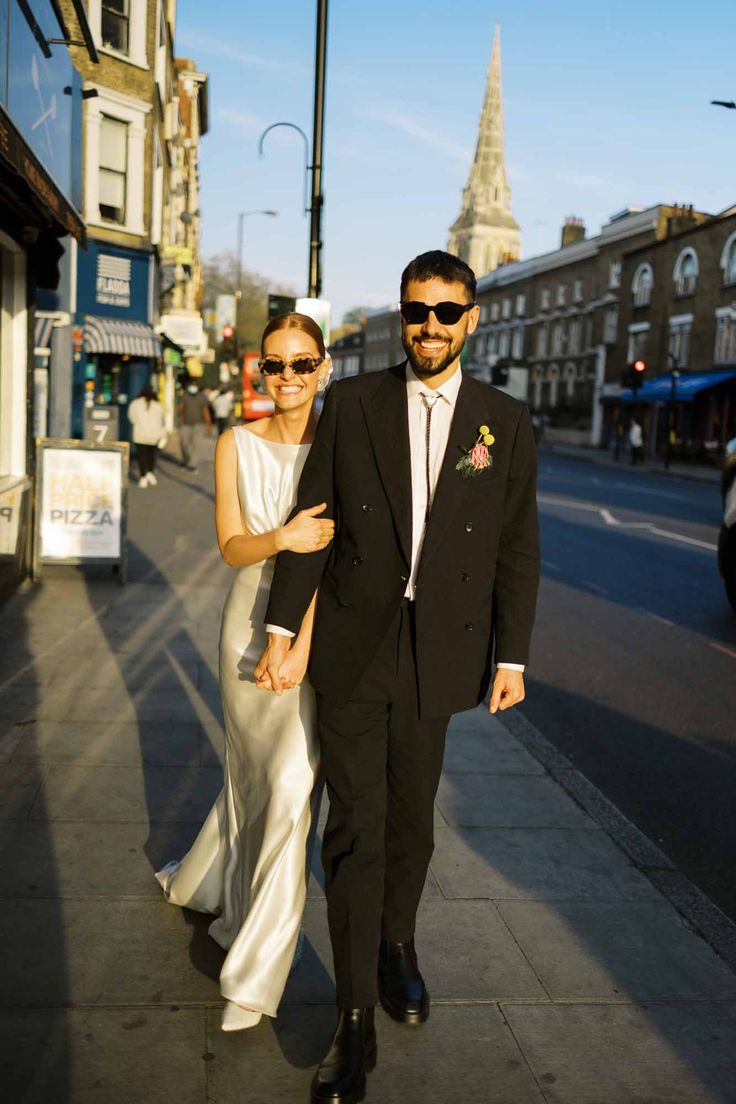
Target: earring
{"points": [[321, 383]]}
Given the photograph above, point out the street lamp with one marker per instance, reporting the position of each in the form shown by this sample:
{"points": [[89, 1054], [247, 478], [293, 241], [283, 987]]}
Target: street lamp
{"points": [[242, 216], [671, 420]]}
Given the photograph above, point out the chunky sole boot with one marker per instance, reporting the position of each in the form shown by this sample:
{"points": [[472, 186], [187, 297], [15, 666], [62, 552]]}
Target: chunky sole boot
{"points": [[401, 987], [353, 1053]]}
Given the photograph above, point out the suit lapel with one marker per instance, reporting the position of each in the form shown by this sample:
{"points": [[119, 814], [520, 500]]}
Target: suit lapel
{"points": [[387, 416], [450, 489]]}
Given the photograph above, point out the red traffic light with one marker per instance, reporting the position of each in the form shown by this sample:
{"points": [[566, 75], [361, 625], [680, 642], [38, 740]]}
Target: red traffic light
{"points": [[228, 332], [639, 366]]}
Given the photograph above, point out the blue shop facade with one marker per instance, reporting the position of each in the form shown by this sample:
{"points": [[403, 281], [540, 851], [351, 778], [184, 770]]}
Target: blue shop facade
{"points": [[116, 351]]}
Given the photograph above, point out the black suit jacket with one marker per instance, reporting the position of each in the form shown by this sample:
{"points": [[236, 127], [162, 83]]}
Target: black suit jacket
{"points": [[479, 570]]}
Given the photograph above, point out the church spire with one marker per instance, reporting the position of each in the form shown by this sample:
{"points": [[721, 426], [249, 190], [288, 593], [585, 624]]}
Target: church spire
{"points": [[485, 233]]}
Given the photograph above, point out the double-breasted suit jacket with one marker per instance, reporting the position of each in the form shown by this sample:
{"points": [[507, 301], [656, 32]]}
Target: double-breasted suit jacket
{"points": [[477, 578]]}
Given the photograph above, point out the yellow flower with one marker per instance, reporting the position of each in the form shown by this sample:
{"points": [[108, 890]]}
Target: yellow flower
{"points": [[488, 438], [484, 430]]}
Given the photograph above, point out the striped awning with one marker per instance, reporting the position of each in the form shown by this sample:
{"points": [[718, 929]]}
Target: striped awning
{"points": [[43, 324], [117, 335]]}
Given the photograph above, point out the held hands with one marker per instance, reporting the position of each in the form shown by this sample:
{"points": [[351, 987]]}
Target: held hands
{"points": [[508, 689], [306, 532], [281, 667]]}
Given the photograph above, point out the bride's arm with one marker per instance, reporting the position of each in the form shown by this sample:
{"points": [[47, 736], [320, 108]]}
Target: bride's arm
{"points": [[294, 667], [238, 547]]}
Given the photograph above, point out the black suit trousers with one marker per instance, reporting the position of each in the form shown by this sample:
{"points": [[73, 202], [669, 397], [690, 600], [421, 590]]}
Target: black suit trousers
{"points": [[382, 766]]}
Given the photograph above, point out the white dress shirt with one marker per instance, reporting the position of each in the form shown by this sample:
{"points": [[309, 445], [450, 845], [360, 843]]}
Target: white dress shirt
{"points": [[442, 400]]}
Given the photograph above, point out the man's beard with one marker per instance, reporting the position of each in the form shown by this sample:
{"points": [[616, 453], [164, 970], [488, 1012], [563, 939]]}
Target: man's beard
{"points": [[427, 366]]}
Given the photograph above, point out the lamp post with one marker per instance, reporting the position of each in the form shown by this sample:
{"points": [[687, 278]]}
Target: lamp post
{"points": [[242, 216], [671, 420], [314, 282]]}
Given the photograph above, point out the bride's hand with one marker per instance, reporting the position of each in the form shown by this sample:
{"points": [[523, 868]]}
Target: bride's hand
{"points": [[306, 532], [294, 667]]}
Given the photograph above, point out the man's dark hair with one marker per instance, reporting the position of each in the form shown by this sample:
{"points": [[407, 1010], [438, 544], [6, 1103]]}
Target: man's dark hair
{"points": [[445, 266]]}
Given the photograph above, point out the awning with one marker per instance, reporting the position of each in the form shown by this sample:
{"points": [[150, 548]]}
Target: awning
{"points": [[117, 335], [688, 385]]}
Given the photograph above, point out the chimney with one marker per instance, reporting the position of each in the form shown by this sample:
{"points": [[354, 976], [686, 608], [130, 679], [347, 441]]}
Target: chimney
{"points": [[573, 230], [681, 217]]}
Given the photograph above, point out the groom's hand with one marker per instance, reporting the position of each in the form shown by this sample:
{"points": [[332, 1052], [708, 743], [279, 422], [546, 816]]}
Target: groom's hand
{"points": [[508, 689], [268, 669]]}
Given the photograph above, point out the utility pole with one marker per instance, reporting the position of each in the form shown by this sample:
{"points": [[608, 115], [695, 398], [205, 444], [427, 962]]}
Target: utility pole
{"points": [[315, 229]]}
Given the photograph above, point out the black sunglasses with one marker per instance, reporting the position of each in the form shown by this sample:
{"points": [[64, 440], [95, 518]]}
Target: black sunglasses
{"points": [[447, 314], [300, 366]]}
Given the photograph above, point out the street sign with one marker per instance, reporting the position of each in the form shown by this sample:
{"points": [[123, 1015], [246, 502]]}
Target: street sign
{"points": [[319, 310], [226, 306], [280, 304], [81, 503]]}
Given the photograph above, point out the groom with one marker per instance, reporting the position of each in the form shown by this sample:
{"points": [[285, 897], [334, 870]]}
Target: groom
{"points": [[430, 477]]}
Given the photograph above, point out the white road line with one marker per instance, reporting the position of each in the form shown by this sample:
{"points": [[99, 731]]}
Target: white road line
{"points": [[609, 519], [656, 617], [548, 563], [594, 587], [649, 491], [721, 648]]}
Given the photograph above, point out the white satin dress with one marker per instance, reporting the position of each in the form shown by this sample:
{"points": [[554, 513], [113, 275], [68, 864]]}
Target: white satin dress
{"points": [[248, 865]]}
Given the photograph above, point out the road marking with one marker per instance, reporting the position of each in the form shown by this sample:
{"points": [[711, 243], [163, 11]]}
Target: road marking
{"points": [[649, 491], [609, 519], [594, 586], [722, 648], [662, 620], [548, 563]]}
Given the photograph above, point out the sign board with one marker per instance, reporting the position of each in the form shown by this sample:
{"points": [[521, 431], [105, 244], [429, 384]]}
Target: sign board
{"points": [[114, 282], [81, 503], [319, 310], [101, 423], [11, 505], [225, 308]]}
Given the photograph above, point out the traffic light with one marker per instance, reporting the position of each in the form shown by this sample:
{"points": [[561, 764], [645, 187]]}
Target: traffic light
{"points": [[228, 341], [228, 332], [635, 374]]}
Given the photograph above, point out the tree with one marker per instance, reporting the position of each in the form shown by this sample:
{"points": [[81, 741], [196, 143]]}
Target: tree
{"points": [[355, 317], [220, 276]]}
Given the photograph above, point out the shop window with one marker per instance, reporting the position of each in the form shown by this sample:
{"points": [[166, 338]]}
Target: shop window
{"points": [[113, 169]]}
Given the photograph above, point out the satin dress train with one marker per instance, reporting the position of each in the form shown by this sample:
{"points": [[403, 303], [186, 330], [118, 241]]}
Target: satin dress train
{"points": [[248, 865]]}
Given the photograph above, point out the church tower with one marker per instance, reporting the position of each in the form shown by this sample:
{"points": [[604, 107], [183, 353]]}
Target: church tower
{"points": [[485, 234]]}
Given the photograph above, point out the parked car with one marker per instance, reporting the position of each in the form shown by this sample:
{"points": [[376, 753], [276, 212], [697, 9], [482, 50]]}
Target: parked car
{"points": [[727, 535]]}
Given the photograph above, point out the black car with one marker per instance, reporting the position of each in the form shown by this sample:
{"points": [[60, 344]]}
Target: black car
{"points": [[727, 535]]}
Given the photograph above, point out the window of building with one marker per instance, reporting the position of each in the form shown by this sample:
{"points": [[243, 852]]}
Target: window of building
{"points": [[545, 299], [728, 261], [638, 339], [517, 343], [577, 291], [641, 285], [115, 25], [685, 273], [574, 336], [493, 344], [569, 377], [484, 312], [678, 345], [610, 326], [542, 338], [561, 295], [614, 274], [113, 169], [494, 312], [520, 304], [725, 348], [506, 311], [504, 343], [537, 380], [558, 338], [553, 376], [480, 345]]}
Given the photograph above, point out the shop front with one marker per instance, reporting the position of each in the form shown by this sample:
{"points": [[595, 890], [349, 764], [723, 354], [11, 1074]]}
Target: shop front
{"points": [[117, 353]]}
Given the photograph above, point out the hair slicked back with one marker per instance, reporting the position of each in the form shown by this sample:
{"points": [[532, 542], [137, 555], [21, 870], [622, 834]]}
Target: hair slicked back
{"points": [[438, 264]]}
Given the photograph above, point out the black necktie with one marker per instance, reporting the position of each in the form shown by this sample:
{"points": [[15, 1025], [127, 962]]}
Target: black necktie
{"points": [[429, 401]]}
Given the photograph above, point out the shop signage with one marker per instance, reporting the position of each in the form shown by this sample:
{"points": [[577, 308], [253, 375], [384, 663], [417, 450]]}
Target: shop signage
{"points": [[81, 502], [113, 280]]}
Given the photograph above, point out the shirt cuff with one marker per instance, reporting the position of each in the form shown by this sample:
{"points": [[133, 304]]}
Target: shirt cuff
{"points": [[278, 631], [512, 666]]}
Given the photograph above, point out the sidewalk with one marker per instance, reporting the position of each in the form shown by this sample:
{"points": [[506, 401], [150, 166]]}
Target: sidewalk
{"points": [[699, 473], [559, 972]]}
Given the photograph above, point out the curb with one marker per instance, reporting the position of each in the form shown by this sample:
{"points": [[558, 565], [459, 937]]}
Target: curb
{"points": [[694, 906], [708, 475]]}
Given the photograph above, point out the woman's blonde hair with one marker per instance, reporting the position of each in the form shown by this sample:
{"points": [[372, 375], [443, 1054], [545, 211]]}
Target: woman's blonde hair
{"points": [[295, 321]]}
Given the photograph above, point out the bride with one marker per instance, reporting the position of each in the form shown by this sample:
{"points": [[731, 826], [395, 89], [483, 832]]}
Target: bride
{"points": [[249, 863]]}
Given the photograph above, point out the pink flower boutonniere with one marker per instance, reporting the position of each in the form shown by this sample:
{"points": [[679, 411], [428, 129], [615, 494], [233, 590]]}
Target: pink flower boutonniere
{"points": [[477, 458]]}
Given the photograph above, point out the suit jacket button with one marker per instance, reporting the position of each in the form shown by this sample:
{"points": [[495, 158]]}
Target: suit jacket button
{"points": [[469, 626], [468, 527], [357, 561], [405, 578], [367, 507], [464, 577]]}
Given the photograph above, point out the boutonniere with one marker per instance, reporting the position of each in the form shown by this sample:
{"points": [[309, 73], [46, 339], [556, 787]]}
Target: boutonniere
{"points": [[477, 458]]}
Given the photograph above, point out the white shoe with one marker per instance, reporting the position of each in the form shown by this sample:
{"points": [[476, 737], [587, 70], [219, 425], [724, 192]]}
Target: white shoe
{"points": [[143, 481], [152, 480], [235, 1018]]}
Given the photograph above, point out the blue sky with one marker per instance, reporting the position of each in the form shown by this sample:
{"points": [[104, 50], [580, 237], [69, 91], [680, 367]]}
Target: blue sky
{"points": [[603, 108]]}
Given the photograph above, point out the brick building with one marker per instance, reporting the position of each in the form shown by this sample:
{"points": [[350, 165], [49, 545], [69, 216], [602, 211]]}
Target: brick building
{"points": [[382, 339]]}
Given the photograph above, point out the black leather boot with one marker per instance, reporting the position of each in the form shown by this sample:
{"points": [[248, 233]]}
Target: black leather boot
{"points": [[341, 1078], [400, 985]]}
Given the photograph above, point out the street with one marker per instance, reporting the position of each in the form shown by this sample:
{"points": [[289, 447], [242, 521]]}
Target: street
{"points": [[633, 672]]}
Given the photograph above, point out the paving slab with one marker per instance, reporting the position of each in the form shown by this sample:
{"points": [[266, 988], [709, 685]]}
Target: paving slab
{"points": [[462, 1053], [639, 950], [507, 801], [109, 1056], [20, 784], [127, 793], [627, 1054], [60, 953], [475, 751], [110, 743], [535, 864]]}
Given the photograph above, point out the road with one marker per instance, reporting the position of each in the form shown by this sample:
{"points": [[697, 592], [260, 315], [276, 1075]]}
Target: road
{"points": [[633, 672]]}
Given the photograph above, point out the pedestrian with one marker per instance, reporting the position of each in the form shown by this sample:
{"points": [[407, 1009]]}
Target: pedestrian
{"points": [[249, 863], [433, 571], [223, 405], [636, 440], [194, 418], [146, 415]]}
